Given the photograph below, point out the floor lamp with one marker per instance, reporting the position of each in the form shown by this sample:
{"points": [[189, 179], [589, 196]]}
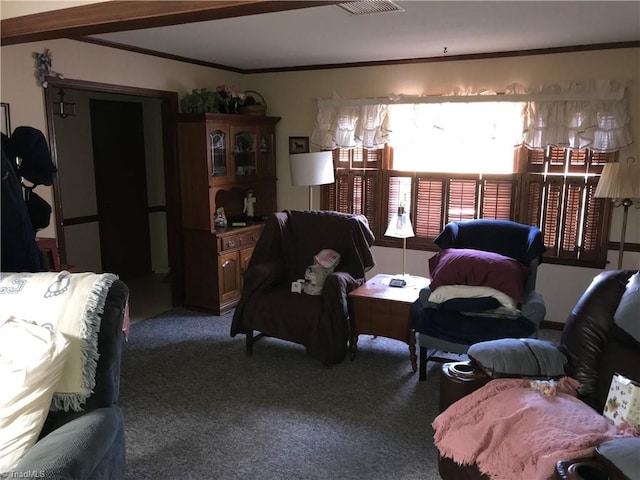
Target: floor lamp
{"points": [[621, 182], [400, 227], [309, 169]]}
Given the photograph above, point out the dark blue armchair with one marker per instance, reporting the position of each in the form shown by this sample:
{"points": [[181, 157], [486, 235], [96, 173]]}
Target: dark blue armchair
{"points": [[449, 326]]}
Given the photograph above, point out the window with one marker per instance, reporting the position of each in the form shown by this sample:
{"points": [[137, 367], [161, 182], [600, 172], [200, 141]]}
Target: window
{"points": [[559, 197], [357, 187], [451, 157], [461, 137], [555, 191]]}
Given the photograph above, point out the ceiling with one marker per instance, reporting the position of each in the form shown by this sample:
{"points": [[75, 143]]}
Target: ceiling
{"points": [[329, 36]]}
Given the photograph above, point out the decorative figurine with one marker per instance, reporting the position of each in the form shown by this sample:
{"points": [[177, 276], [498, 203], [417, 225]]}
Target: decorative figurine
{"points": [[220, 220], [249, 204], [44, 68]]}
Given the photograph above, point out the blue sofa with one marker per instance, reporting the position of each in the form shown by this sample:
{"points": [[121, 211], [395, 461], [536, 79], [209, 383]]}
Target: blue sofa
{"points": [[88, 444]]}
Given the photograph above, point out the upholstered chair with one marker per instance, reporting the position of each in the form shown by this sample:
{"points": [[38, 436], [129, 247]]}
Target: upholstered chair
{"points": [[484, 279], [271, 305]]}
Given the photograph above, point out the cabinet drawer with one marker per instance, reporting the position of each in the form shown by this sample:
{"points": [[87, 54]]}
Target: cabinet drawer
{"points": [[250, 238], [227, 243]]}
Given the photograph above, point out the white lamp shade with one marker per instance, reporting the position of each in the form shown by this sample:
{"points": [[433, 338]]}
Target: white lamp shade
{"points": [[400, 226], [311, 168], [620, 180]]}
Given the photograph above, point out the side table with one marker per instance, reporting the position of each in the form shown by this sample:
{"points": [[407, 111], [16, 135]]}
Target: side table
{"points": [[378, 309]]}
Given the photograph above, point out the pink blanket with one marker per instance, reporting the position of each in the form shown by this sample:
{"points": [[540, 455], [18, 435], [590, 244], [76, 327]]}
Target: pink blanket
{"points": [[511, 431]]}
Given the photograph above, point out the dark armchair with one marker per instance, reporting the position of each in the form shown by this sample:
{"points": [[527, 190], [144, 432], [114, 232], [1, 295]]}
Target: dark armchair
{"points": [[453, 326], [601, 337], [286, 248]]}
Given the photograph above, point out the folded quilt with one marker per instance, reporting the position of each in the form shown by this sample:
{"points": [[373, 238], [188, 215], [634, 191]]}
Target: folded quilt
{"points": [[68, 303], [511, 431], [469, 328]]}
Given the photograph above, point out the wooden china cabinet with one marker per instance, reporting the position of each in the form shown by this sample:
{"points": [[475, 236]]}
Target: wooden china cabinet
{"points": [[221, 158]]}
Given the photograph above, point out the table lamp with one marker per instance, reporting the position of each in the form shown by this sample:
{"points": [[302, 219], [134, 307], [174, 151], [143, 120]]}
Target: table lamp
{"points": [[621, 182], [400, 227], [309, 169]]}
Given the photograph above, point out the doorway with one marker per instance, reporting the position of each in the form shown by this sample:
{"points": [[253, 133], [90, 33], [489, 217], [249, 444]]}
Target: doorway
{"points": [[117, 138], [120, 225]]}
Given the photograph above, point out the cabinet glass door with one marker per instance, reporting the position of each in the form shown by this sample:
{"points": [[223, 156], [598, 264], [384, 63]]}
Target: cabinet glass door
{"points": [[217, 144], [266, 154], [244, 153]]}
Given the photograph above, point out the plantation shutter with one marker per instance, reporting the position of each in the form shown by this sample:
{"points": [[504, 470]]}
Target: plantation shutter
{"points": [[328, 197], [342, 200], [356, 204], [356, 189], [534, 190], [536, 161], [571, 224], [428, 222], [552, 215], [372, 158], [462, 200], [578, 161], [594, 223], [555, 192], [559, 197], [557, 158], [399, 190], [496, 199], [357, 158], [369, 205], [598, 160], [341, 158]]}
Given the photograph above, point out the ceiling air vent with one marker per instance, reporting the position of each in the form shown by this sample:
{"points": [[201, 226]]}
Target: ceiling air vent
{"points": [[367, 7]]}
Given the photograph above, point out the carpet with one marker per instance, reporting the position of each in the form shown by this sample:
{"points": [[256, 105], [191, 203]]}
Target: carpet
{"points": [[196, 407]]}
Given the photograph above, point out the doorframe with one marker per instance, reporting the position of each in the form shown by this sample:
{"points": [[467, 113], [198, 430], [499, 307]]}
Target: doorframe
{"points": [[169, 112]]}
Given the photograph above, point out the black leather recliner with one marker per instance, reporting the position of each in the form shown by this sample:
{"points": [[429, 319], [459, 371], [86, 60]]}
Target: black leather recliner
{"points": [[596, 346]]}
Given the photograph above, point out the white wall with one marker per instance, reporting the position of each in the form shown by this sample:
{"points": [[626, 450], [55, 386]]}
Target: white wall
{"points": [[292, 96], [83, 61]]}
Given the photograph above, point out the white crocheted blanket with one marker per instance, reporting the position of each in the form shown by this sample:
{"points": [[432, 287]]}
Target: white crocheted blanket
{"points": [[71, 303]]}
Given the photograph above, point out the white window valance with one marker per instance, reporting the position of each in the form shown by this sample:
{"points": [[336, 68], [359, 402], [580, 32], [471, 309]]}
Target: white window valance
{"points": [[578, 115], [594, 116], [349, 126]]}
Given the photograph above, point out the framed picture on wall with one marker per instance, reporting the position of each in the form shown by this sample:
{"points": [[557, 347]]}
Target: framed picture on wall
{"points": [[5, 119], [298, 144]]}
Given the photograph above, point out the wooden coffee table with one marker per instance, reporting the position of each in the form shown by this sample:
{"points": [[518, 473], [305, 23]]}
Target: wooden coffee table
{"points": [[378, 309]]}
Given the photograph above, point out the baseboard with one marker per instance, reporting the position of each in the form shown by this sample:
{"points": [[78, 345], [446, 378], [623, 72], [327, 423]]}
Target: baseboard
{"points": [[552, 325]]}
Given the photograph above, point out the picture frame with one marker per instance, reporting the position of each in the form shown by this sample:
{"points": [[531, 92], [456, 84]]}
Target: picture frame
{"points": [[5, 119], [298, 145]]}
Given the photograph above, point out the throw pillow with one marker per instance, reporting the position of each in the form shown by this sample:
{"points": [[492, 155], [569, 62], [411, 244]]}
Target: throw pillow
{"points": [[464, 266], [31, 363], [518, 357], [623, 454]]}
